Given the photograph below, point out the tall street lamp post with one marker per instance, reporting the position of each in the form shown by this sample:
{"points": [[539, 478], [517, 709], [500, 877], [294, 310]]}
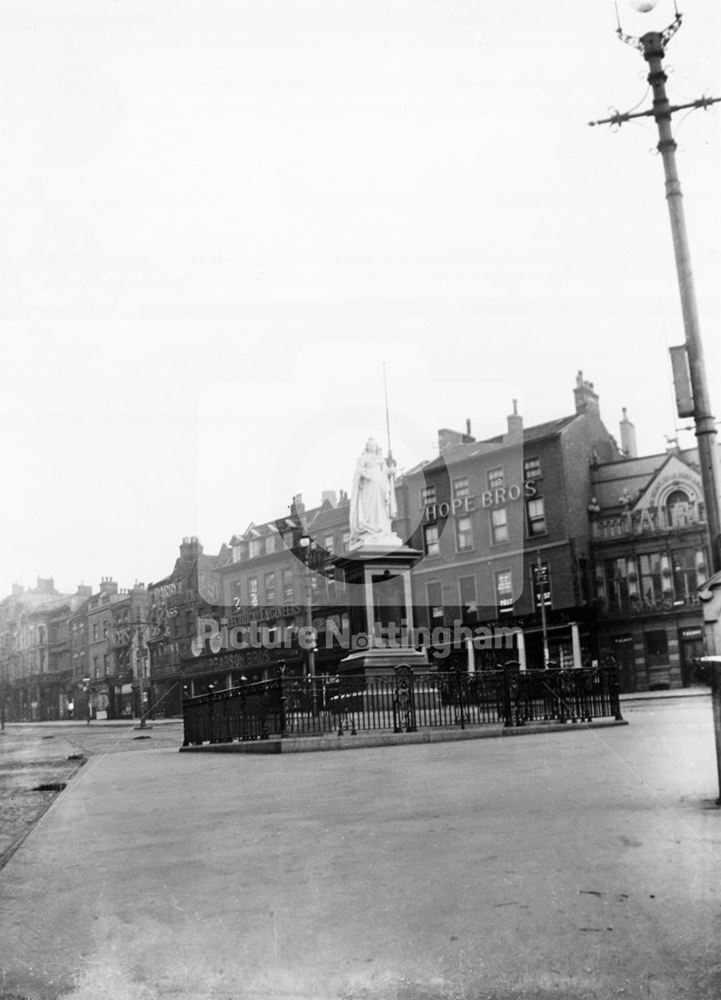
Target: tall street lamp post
{"points": [[652, 46], [308, 548]]}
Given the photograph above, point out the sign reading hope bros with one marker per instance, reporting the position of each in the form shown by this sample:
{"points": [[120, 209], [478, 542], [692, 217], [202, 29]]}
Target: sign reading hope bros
{"points": [[497, 497]]}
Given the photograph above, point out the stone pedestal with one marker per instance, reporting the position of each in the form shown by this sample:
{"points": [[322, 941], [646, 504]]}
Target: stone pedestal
{"points": [[380, 609]]}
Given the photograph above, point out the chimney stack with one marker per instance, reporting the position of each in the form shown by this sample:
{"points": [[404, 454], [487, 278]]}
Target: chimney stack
{"points": [[330, 496], [515, 426], [628, 436], [447, 438], [190, 547], [584, 395], [108, 585]]}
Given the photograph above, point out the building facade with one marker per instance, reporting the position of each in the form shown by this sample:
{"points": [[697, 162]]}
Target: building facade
{"points": [[651, 555], [503, 528], [35, 653], [547, 544]]}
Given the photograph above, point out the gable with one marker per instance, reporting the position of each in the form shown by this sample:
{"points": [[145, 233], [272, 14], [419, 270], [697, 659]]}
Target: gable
{"points": [[673, 475]]}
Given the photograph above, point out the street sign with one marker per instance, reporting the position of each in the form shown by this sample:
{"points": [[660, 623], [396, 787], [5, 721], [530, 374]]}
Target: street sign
{"points": [[541, 582]]}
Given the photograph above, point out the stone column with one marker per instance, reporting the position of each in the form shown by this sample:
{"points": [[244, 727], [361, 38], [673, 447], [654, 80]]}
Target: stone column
{"points": [[576, 644]]}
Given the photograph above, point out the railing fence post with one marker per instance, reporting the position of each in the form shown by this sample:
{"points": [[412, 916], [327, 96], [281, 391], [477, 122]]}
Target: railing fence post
{"points": [[281, 697]]}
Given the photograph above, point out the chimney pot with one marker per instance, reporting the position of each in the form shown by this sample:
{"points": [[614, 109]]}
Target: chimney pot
{"points": [[628, 436]]}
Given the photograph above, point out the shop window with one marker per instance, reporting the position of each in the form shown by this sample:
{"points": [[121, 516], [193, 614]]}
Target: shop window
{"points": [[656, 642], [434, 595], [467, 594]]}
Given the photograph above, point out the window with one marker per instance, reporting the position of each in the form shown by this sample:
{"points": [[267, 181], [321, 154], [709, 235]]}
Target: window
{"points": [[651, 581], [270, 544], [106, 664], [428, 495], [95, 631], [536, 516], [460, 488], [532, 469], [504, 592], [495, 478], [255, 548], [253, 591], [657, 643], [434, 594], [328, 543], [430, 540], [96, 666], [688, 572], [678, 510], [499, 525], [346, 540], [106, 626], [288, 589], [467, 594], [617, 584], [464, 534], [269, 584]]}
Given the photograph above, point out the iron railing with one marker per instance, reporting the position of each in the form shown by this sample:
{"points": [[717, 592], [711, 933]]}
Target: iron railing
{"points": [[403, 701]]}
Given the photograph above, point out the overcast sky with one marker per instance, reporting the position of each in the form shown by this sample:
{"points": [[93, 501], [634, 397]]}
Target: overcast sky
{"points": [[219, 219]]}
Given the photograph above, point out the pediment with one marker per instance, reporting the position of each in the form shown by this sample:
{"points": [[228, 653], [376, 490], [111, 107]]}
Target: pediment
{"points": [[673, 475]]}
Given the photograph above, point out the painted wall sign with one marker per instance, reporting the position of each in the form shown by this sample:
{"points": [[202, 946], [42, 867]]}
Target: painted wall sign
{"points": [[488, 499]]}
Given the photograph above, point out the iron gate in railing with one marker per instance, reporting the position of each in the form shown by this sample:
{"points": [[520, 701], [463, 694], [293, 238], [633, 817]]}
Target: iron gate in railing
{"points": [[401, 701]]}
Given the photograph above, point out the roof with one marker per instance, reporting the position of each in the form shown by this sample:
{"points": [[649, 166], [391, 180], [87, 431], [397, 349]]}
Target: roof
{"points": [[462, 452]]}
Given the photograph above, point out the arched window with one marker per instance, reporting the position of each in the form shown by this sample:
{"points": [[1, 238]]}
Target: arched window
{"points": [[678, 509]]}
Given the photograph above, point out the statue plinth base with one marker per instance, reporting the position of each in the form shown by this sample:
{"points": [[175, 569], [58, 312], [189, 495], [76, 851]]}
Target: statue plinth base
{"points": [[380, 608], [379, 661], [387, 542]]}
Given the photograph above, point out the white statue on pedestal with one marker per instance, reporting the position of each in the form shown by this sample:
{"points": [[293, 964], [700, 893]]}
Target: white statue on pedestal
{"points": [[373, 500]]}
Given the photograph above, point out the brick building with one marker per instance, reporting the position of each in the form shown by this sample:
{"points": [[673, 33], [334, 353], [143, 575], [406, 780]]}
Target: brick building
{"points": [[503, 528], [35, 654], [175, 603], [651, 554], [268, 588]]}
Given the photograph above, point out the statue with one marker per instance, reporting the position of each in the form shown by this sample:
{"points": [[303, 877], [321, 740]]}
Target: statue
{"points": [[373, 500]]}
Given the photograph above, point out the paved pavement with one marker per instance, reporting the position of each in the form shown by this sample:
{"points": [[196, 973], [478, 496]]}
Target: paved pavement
{"points": [[577, 865]]}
